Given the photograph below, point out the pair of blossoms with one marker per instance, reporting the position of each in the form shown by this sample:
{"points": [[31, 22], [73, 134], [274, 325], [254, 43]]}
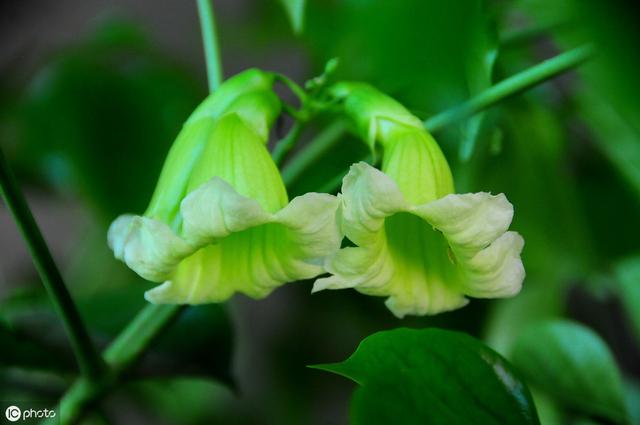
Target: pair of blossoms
{"points": [[220, 220]]}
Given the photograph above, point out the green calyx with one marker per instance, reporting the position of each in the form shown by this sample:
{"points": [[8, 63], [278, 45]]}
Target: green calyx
{"points": [[411, 157], [226, 137], [376, 116]]}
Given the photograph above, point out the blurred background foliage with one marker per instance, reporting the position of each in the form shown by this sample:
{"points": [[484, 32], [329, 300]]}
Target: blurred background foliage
{"points": [[88, 125]]}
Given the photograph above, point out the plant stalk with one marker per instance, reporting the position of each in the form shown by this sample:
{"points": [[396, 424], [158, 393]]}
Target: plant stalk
{"points": [[314, 149], [128, 347], [89, 361], [210, 42], [509, 87]]}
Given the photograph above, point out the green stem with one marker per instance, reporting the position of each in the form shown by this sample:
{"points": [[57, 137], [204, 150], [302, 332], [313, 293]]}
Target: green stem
{"points": [[123, 353], [294, 87], [284, 146], [316, 148], [87, 356], [210, 42], [133, 341], [511, 86]]}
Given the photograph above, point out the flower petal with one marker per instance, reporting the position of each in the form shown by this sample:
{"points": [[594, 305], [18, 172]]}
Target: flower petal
{"points": [[470, 221], [215, 210], [149, 247], [310, 233], [371, 201], [475, 225], [368, 197], [497, 271], [403, 253], [236, 246]]}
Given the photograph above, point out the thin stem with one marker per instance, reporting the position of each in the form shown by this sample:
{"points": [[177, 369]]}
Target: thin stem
{"points": [[316, 148], [284, 146], [124, 352], [511, 86], [210, 42], [87, 356], [132, 342], [294, 87]]}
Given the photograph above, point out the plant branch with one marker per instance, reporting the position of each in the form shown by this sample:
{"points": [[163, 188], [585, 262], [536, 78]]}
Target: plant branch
{"points": [[314, 149], [210, 42], [128, 347], [133, 341], [511, 86], [87, 356]]}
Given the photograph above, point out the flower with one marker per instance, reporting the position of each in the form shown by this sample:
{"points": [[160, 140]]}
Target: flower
{"points": [[416, 242], [219, 221]]}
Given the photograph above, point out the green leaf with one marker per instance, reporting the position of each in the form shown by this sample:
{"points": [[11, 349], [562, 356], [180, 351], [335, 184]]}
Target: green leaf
{"points": [[295, 10], [433, 376], [572, 363]]}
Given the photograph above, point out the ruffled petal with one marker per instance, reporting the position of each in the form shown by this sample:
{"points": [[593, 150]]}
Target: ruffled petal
{"points": [[227, 244], [310, 232], [215, 210], [149, 247], [475, 225], [382, 264], [424, 258], [496, 271], [368, 197], [470, 221]]}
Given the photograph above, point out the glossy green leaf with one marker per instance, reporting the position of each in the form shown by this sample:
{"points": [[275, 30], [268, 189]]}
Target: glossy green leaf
{"points": [[433, 376], [572, 363], [295, 10]]}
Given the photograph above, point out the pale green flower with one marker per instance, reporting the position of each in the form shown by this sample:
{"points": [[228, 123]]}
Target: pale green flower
{"points": [[219, 221], [417, 243]]}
